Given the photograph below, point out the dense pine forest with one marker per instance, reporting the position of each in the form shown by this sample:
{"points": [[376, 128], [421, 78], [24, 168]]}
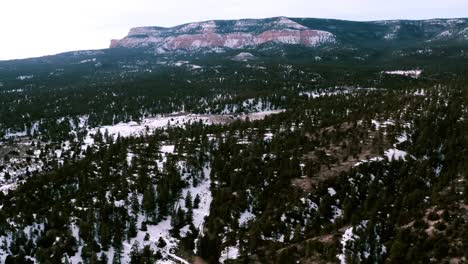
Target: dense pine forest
{"points": [[313, 156]]}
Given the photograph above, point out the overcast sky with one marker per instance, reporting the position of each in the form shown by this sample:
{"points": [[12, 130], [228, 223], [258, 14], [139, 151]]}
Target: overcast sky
{"points": [[42, 27]]}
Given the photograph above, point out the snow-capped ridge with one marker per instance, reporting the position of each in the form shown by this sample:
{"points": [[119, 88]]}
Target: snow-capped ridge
{"points": [[224, 34]]}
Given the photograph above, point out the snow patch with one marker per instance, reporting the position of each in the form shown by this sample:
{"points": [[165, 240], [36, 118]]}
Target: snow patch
{"points": [[168, 149], [244, 56], [88, 60], [409, 73], [229, 253], [24, 77], [245, 217], [395, 154]]}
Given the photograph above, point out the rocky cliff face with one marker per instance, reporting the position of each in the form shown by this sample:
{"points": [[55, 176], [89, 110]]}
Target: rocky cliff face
{"points": [[233, 34]]}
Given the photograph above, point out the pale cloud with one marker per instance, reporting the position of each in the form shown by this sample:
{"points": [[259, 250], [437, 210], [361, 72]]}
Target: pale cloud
{"points": [[33, 28]]}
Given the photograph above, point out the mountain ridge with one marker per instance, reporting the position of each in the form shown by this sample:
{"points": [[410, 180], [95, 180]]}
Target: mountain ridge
{"points": [[226, 34], [308, 32], [347, 35]]}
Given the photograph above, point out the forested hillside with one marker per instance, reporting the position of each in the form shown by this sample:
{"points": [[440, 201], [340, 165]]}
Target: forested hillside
{"points": [[278, 154]]}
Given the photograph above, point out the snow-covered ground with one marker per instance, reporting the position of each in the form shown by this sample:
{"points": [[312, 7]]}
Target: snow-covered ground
{"points": [[316, 94], [351, 234], [202, 188], [31, 231], [332, 91], [148, 125], [268, 136], [347, 236], [162, 229], [9, 133], [17, 167], [88, 60], [392, 153], [244, 56], [155, 232], [367, 160], [245, 217], [203, 191], [380, 124], [409, 73], [25, 77], [395, 154], [229, 253], [337, 213]]}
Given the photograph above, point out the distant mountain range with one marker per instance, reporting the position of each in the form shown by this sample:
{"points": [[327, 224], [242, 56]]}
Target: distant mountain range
{"points": [[376, 45], [219, 35], [225, 34]]}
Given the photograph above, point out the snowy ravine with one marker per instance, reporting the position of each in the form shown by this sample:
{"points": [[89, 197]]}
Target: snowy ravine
{"points": [[347, 236], [203, 210]]}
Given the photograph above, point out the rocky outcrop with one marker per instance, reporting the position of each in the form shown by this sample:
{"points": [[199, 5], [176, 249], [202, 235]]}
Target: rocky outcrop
{"points": [[224, 34]]}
